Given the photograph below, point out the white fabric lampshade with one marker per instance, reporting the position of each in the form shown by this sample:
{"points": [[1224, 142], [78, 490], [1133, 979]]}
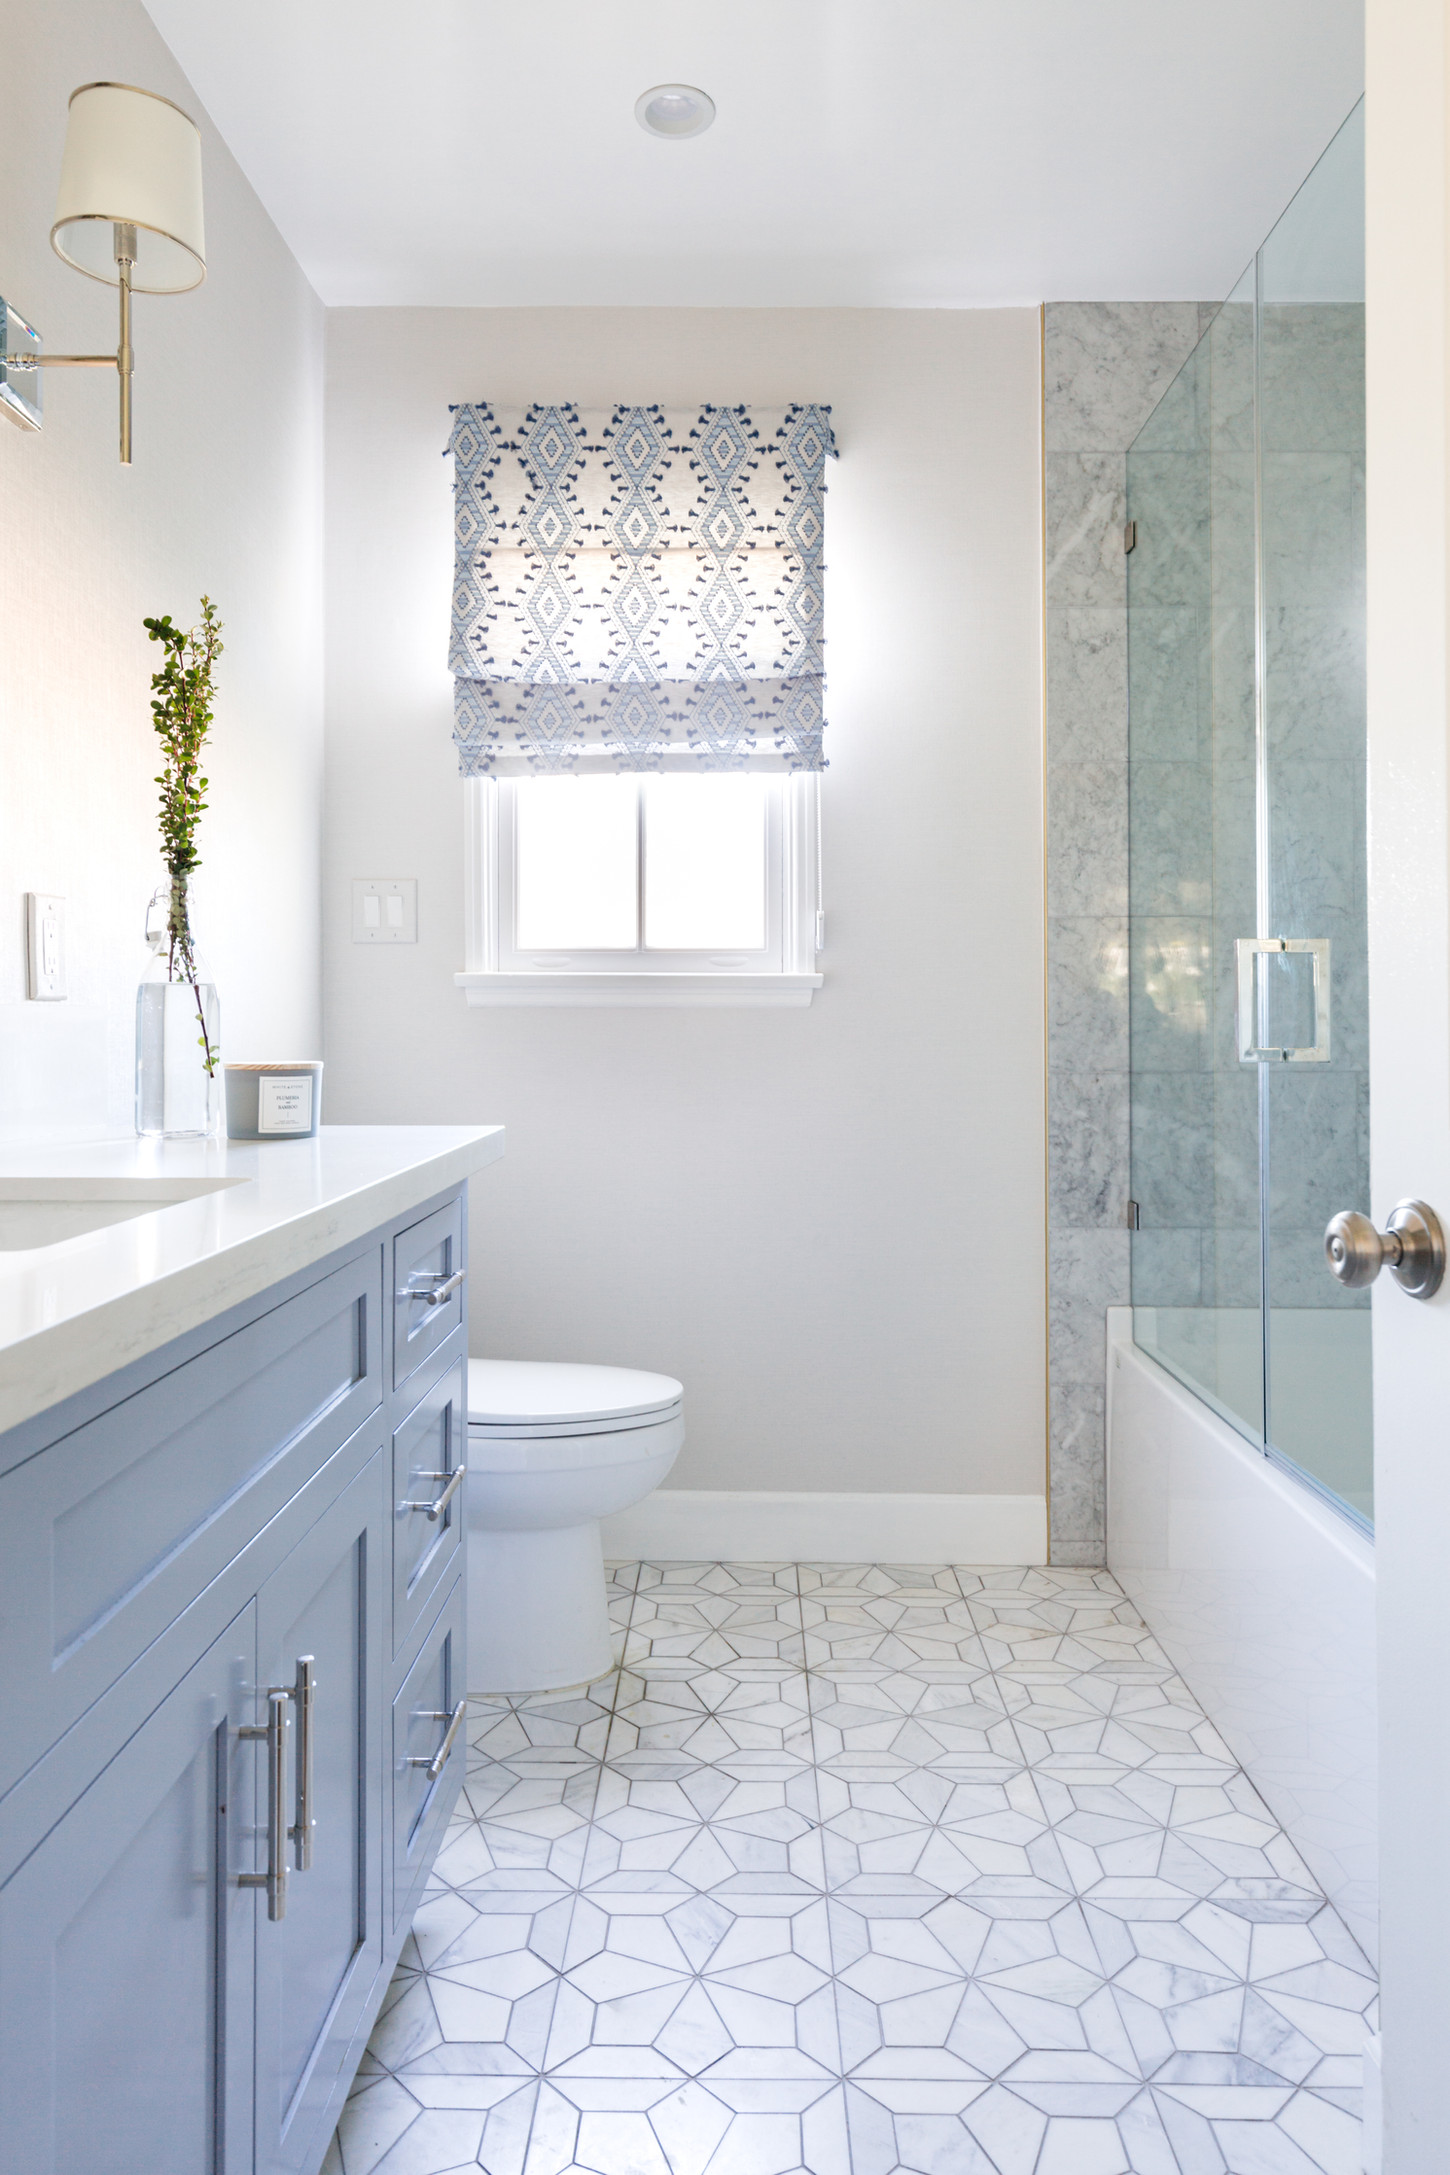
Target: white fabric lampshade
{"points": [[131, 157]]}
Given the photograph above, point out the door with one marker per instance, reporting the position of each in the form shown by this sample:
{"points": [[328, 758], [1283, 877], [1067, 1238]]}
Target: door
{"points": [[1408, 314], [320, 1625], [135, 1887]]}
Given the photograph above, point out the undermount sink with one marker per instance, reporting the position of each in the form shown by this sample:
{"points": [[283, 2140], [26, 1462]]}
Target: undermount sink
{"points": [[42, 1211]]}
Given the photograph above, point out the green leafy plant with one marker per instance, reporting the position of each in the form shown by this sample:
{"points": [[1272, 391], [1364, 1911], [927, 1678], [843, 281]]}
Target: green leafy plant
{"points": [[183, 695]]}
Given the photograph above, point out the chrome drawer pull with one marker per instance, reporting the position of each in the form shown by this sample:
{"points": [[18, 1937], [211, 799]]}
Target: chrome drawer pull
{"points": [[440, 1503], [300, 1836], [439, 1761], [441, 1287], [274, 1730]]}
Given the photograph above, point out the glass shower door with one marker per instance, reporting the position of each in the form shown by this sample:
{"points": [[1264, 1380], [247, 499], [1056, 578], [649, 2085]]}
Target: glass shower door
{"points": [[1248, 985], [1196, 1251], [1316, 1110]]}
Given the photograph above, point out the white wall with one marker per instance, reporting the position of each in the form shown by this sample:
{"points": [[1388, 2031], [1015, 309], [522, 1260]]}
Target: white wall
{"points": [[224, 496], [828, 1223]]}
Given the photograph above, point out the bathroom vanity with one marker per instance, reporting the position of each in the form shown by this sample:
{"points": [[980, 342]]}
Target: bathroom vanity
{"points": [[232, 1426]]}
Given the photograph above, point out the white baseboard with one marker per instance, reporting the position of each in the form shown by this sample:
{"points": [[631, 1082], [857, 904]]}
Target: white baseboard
{"points": [[762, 1526]]}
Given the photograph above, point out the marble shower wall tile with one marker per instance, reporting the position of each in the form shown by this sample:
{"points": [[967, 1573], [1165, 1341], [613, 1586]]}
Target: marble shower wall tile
{"points": [[1106, 367], [1087, 839], [1087, 1151], [1086, 985], [1087, 669], [1085, 510]]}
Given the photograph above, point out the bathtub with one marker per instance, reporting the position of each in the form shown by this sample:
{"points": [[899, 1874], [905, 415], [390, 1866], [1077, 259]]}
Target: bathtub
{"points": [[1263, 1597]]}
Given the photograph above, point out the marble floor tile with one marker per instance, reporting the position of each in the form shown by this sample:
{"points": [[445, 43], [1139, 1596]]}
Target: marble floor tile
{"points": [[865, 1870]]}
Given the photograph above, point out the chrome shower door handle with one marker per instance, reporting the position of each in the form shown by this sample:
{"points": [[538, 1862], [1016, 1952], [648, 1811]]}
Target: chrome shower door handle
{"points": [[274, 1733], [1248, 950], [1412, 1246]]}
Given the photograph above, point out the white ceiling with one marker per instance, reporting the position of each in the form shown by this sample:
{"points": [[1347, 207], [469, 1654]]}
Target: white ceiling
{"points": [[906, 152]]}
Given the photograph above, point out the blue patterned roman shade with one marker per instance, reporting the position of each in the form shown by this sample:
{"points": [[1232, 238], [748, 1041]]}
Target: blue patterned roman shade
{"points": [[638, 588]]}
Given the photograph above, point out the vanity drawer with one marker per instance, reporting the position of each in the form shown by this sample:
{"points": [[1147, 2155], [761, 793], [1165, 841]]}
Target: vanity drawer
{"points": [[427, 1260], [429, 1450], [425, 1720], [110, 1533]]}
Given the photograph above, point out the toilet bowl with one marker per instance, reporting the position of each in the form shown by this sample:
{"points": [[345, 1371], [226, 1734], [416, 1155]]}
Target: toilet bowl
{"points": [[552, 1449]]}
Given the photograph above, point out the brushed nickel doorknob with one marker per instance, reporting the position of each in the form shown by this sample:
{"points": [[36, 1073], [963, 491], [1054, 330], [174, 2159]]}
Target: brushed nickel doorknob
{"points": [[1412, 1246]]}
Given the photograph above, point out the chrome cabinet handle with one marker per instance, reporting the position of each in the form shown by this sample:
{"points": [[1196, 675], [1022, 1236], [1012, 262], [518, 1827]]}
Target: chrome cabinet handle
{"points": [[300, 1836], [439, 1761], [442, 1287], [280, 1699], [434, 1510], [1412, 1245], [274, 1731]]}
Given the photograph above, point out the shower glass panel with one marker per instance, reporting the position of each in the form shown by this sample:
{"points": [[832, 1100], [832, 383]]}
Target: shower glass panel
{"points": [[1247, 846]]}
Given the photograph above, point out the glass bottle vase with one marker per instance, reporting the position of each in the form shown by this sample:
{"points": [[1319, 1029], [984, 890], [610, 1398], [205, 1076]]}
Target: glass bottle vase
{"points": [[178, 1028]]}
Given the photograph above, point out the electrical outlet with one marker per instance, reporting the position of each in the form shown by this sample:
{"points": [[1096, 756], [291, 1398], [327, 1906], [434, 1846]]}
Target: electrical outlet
{"points": [[385, 910], [45, 946]]}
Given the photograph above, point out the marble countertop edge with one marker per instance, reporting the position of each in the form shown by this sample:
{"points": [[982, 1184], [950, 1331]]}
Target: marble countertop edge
{"points": [[73, 1313]]}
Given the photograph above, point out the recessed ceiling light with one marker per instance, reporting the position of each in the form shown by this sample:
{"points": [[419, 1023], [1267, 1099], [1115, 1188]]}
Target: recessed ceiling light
{"points": [[674, 109]]}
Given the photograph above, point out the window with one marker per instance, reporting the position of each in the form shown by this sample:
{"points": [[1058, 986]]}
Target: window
{"points": [[638, 665], [654, 889]]}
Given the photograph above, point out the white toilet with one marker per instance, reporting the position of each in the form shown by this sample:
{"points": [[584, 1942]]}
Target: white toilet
{"points": [[552, 1449]]}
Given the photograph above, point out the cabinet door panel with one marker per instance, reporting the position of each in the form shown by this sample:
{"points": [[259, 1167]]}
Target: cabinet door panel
{"points": [[428, 1446], [126, 1951], [421, 1802], [317, 1964]]}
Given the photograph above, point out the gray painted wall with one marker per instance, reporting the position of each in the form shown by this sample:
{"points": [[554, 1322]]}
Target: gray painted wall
{"points": [[800, 1214]]}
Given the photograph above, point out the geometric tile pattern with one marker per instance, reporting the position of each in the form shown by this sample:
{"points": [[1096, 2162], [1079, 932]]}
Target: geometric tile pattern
{"points": [[865, 1870]]}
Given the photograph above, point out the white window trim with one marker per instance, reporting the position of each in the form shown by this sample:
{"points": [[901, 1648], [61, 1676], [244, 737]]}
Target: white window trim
{"points": [[796, 912]]}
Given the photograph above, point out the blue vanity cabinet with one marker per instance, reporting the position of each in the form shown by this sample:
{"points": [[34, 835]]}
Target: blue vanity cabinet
{"points": [[126, 1950], [113, 1530], [207, 1547], [320, 1616]]}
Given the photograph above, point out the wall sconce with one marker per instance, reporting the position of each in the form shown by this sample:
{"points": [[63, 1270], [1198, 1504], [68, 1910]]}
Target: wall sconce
{"points": [[129, 213]]}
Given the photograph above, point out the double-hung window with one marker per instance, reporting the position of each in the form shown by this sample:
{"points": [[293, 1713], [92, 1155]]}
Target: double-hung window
{"points": [[643, 890], [637, 655]]}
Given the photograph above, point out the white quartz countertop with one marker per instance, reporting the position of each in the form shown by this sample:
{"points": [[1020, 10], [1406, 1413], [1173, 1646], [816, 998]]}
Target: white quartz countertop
{"points": [[74, 1311]]}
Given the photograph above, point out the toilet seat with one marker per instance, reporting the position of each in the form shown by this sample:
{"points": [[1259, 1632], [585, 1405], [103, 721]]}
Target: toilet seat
{"points": [[532, 1400]]}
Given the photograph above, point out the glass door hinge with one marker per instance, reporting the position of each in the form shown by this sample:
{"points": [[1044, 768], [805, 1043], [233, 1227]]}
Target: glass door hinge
{"points": [[1135, 1218], [1130, 535]]}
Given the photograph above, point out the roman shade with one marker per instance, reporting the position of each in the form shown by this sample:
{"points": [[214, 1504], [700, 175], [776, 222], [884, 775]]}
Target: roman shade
{"points": [[638, 588]]}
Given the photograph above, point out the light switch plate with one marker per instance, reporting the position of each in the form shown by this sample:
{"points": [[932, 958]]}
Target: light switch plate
{"points": [[45, 946], [385, 910]]}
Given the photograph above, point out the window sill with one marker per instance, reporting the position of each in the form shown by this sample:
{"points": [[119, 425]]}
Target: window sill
{"points": [[639, 989]]}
